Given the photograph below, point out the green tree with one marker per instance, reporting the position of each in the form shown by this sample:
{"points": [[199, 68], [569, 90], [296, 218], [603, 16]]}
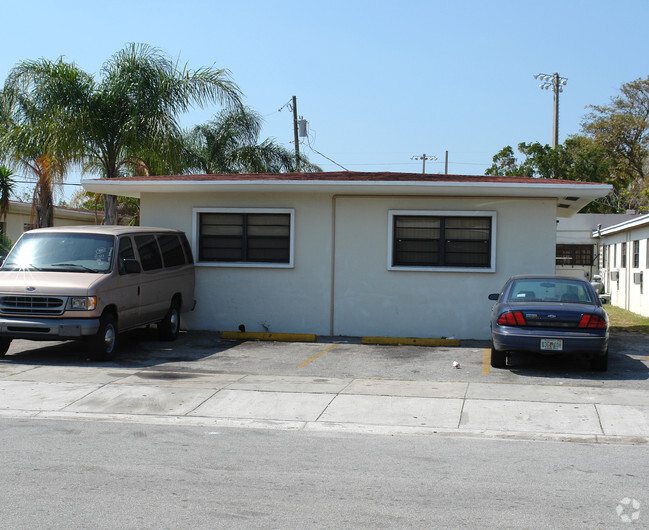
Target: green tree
{"points": [[128, 208], [25, 137], [132, 110], [230, 144], [622, 129], [7, 187], [505, 164]]}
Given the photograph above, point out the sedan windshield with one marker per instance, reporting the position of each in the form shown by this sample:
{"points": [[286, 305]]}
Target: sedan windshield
{"points": [[550, 290], [73, 252]]}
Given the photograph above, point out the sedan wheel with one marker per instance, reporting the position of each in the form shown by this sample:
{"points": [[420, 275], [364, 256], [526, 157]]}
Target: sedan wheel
{"points": [[600, 363], [498, 358]]}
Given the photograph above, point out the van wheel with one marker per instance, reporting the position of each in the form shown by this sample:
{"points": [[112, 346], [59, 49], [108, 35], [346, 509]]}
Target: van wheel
{"points": [[4, 345], [169, 326], [101, 346]]}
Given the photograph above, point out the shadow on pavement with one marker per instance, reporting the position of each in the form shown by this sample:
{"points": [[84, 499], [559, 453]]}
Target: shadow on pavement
{"points": [[625, 363], [138, 348]]}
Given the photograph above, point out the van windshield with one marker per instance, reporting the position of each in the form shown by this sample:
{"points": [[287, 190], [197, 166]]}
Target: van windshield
{"points": [[63, 252]]}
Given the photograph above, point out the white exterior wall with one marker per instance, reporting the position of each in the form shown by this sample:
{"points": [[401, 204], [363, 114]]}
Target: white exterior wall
{"points": [[19, 215], [368, 299], [626, 292]]}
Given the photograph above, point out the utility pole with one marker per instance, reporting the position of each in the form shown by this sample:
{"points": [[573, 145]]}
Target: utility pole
{"points": [[295, 136], [423, 158], [556, 83]]}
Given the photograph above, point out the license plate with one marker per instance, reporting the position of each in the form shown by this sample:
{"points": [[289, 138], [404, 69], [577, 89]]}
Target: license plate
{"points": [[552, 344]]}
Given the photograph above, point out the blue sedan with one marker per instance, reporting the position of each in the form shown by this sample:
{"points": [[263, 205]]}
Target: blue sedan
{"points": [[549, 315]]}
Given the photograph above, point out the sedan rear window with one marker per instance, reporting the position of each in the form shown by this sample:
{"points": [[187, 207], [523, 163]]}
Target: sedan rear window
{"points": [[550, 290]]}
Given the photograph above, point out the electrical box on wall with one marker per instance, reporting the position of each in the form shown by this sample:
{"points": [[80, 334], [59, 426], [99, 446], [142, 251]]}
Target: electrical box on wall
{"points": [[615, 276], [637, 278]]}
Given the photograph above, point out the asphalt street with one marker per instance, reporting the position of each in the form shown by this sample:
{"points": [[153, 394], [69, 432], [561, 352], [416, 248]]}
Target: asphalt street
{"points": [[335, 385]]}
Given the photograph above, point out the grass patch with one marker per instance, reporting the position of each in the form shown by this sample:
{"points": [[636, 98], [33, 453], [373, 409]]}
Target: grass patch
{"points": [[623, 320]]}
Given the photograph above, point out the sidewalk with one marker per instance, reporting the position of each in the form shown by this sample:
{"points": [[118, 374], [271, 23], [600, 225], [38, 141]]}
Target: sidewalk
{"points": [[556, 412]]}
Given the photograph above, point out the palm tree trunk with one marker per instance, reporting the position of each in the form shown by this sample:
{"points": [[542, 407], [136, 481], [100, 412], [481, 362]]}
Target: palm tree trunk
{"points": [[110, 209]]}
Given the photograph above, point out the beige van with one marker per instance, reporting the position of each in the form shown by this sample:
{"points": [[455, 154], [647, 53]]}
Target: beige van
{"points": [[91, 282]]}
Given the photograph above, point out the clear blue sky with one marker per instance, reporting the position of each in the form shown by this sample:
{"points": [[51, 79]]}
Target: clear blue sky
{"points": [[377, 81]]}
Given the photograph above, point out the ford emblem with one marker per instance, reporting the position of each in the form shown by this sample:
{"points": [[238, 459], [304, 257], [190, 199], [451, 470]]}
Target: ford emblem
{"points": [[30, 289]]}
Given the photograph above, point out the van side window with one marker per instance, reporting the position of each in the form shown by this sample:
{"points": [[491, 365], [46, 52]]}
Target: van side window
{"points": [[172, 251], [147, 247], [125, 252], [188, 249]]}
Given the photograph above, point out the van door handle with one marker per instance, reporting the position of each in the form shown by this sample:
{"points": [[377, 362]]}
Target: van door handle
{"points": [[138, 290]]}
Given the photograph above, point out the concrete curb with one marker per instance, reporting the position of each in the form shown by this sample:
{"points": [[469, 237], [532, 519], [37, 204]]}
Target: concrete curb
{"points": [[318, 426], [311, 337], [277, 337]]}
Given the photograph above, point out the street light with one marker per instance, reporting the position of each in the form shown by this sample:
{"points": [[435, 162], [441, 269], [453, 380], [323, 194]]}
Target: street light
{"points": [[556, 83], [423, 158]]}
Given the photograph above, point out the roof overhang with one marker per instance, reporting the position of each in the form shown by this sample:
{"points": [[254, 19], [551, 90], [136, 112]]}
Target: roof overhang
{"points": [[637, 222], [570, 196]]}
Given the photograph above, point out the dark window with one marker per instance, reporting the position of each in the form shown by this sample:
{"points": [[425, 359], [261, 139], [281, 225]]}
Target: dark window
{"points": [[188, 250], [245, 237], [575, 255], [636, 254], [604, 256], [436, 241], [623, 256], [172, 250], [149, 252], [614, 260], [125, 252]]}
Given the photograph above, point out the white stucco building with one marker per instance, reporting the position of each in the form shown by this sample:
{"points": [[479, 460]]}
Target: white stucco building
{"points": [[19, 218], [577, 250], [349, 253], [624, 262]]}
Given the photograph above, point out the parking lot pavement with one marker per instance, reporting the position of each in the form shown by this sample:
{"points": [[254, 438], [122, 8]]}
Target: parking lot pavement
{"points": [[334, 384]]}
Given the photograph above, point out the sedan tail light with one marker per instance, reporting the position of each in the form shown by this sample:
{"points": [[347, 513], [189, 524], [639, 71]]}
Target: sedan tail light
{"points": [[512, 318], [592, 321]]}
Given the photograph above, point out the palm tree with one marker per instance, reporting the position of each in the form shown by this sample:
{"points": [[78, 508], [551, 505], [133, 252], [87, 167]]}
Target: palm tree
{"points": [[25, 137], [132, 109], [229, 144], [7, 187]]}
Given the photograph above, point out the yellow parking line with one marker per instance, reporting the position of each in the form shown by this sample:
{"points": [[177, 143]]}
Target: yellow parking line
{"points": [[486, 361], [317, 355]]}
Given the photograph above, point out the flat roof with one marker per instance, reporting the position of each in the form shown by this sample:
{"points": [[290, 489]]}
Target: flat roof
{"points": [[642, 220], [571, 195]]}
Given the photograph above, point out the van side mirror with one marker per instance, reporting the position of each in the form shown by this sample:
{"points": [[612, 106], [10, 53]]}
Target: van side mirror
{"points": [[131, 266], [493, 296]]}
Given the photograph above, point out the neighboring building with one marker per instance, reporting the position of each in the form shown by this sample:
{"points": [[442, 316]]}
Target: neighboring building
{"points": [[577, 252], [361, 254], [19, 218], [624, 262]]}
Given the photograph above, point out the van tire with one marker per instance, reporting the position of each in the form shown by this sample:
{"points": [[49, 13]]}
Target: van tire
{"points": [[4, 345], [169, 326], [102, 346]]}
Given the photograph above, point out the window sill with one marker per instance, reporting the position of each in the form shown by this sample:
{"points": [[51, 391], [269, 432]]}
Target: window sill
{"points": [[244, 265], [442, 269]]}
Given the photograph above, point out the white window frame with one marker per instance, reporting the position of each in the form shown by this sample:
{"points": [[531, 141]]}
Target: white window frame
{"points": [[441, 213], [244, 264]]}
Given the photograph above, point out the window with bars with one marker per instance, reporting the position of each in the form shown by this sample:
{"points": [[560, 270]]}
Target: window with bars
{"points": [[636, 254], [623, 263], [441, 241], [575, 255], [261, 237]]}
